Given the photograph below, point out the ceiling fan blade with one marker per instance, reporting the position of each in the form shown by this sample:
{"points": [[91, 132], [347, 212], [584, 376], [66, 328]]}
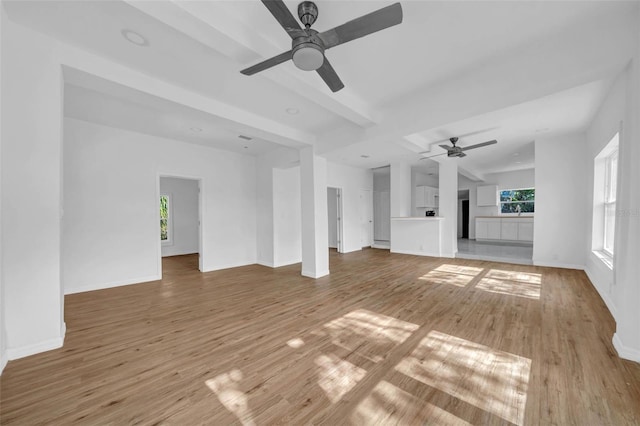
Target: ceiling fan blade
{"points": [[281, 12], [462, 154], [362, 26], [330, 76], [478, 145], [283, 57], [447, 147]]}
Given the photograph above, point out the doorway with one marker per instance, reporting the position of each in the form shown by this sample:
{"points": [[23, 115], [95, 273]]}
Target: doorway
{"points": [[334, 213], [465, 219], [180, 240]]}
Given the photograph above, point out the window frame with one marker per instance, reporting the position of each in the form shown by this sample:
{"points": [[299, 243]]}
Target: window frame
{"points": [[609, 205], [533, 202]]}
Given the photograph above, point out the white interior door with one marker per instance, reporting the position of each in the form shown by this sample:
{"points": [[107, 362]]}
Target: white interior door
{"points": [[366, 218]]}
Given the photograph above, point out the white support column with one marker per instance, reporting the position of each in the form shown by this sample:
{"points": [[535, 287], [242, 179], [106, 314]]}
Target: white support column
{"points": [[315, 221], [400, 190], [448, 209]]}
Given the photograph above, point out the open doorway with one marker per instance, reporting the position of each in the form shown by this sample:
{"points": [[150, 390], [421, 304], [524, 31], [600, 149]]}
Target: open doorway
{"points": [[463, 214], [334, 210], [180, 230]]}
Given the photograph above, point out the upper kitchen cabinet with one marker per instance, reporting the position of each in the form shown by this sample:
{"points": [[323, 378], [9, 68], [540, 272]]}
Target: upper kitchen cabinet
{"points": [[488, 196], [426, 196]]}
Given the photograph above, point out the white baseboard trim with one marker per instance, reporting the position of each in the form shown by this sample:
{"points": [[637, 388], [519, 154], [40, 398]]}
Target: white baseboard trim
{"points": [[315, 274], [625, 352], [102, 286], [553, 264], [417, 253], [267, 264], [3, 361], [381, 246], [36, 348], [603, 295], [287, 263], [230, 265]]}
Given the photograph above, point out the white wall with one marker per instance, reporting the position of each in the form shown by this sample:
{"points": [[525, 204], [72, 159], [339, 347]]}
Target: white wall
{"points": [[287, 216], [31, 191], [184, 218], [504, 180], [351, 180], [620, 288], [112, 167], [562, 209], [3, 339]]}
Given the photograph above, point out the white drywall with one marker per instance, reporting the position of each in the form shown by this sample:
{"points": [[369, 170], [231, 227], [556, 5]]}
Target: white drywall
{"points": [[350, 180], [105, 167], [287, 216], [562, 209], [604, 126], [313, 189], [31, 191], [448, 208], [620, 288], [184, 196], [332, 212], [3, 339], [401, 191]]}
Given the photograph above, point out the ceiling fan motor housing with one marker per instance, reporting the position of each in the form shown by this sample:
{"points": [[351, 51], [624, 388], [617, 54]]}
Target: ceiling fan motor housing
{"points": [[308, 13], [308, 50]]}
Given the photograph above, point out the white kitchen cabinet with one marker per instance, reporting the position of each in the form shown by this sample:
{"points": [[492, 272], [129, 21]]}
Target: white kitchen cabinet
{"points": [[508, 230], [487, 195], [525, 231], [426, 196], [504, 228]]}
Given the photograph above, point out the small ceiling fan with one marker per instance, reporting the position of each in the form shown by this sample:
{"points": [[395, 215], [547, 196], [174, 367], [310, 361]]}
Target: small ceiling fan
{"points": [[458, 151], [308, 45]]}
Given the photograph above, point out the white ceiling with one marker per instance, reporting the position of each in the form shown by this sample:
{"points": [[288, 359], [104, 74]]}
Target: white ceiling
{"points": [[515, 67]]}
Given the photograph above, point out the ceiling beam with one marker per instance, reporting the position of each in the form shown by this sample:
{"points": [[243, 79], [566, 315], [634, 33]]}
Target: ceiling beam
{"points": [[215, 25]]}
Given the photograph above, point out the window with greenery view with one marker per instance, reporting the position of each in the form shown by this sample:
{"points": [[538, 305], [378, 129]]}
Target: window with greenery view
{"points": [[517, 200], [164, 218]]}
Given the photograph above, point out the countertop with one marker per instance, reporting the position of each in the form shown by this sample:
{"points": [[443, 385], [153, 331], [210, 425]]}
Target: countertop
{"points": [[418, 218], [504, 217]]}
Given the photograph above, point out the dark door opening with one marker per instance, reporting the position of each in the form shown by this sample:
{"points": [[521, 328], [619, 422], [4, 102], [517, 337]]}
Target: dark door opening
{"points": [[465, 218]]}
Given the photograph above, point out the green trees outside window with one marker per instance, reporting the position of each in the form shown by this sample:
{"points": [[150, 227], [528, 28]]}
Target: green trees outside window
{"points": [[164, 218], [518, 200]]}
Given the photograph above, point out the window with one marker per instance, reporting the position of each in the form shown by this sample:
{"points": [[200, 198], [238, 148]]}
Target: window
{"points": [[605, 177], [517, 200], [610, 185], [165, 218]]}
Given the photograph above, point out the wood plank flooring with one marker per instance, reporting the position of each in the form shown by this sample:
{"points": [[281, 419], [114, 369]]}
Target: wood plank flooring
{"points": [[385, 339]]}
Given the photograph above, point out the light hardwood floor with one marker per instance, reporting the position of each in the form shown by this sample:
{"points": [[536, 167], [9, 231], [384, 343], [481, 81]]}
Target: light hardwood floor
{"points": [[385, 339]]}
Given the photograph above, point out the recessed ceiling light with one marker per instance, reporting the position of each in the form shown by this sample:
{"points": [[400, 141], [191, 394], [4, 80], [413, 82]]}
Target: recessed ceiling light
{"points": [[195, 129], [135, 38], [365, 156], [518, 162], [292, 111], [246, 138], [515, 154]]}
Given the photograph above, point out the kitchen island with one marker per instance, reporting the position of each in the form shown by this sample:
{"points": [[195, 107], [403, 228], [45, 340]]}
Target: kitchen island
{"points": [[421, 236]]}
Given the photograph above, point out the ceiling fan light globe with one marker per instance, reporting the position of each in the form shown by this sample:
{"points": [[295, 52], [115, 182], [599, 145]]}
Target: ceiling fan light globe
{"points": [[308, 57]]}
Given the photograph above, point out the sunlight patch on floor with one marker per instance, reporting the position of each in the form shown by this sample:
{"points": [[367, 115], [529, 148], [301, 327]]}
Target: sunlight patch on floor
{"points": [[388, 404], [336, 376], [492, 380], [295, 343], [373, 335], [227, 388], [512, 283], [456, 275]]}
